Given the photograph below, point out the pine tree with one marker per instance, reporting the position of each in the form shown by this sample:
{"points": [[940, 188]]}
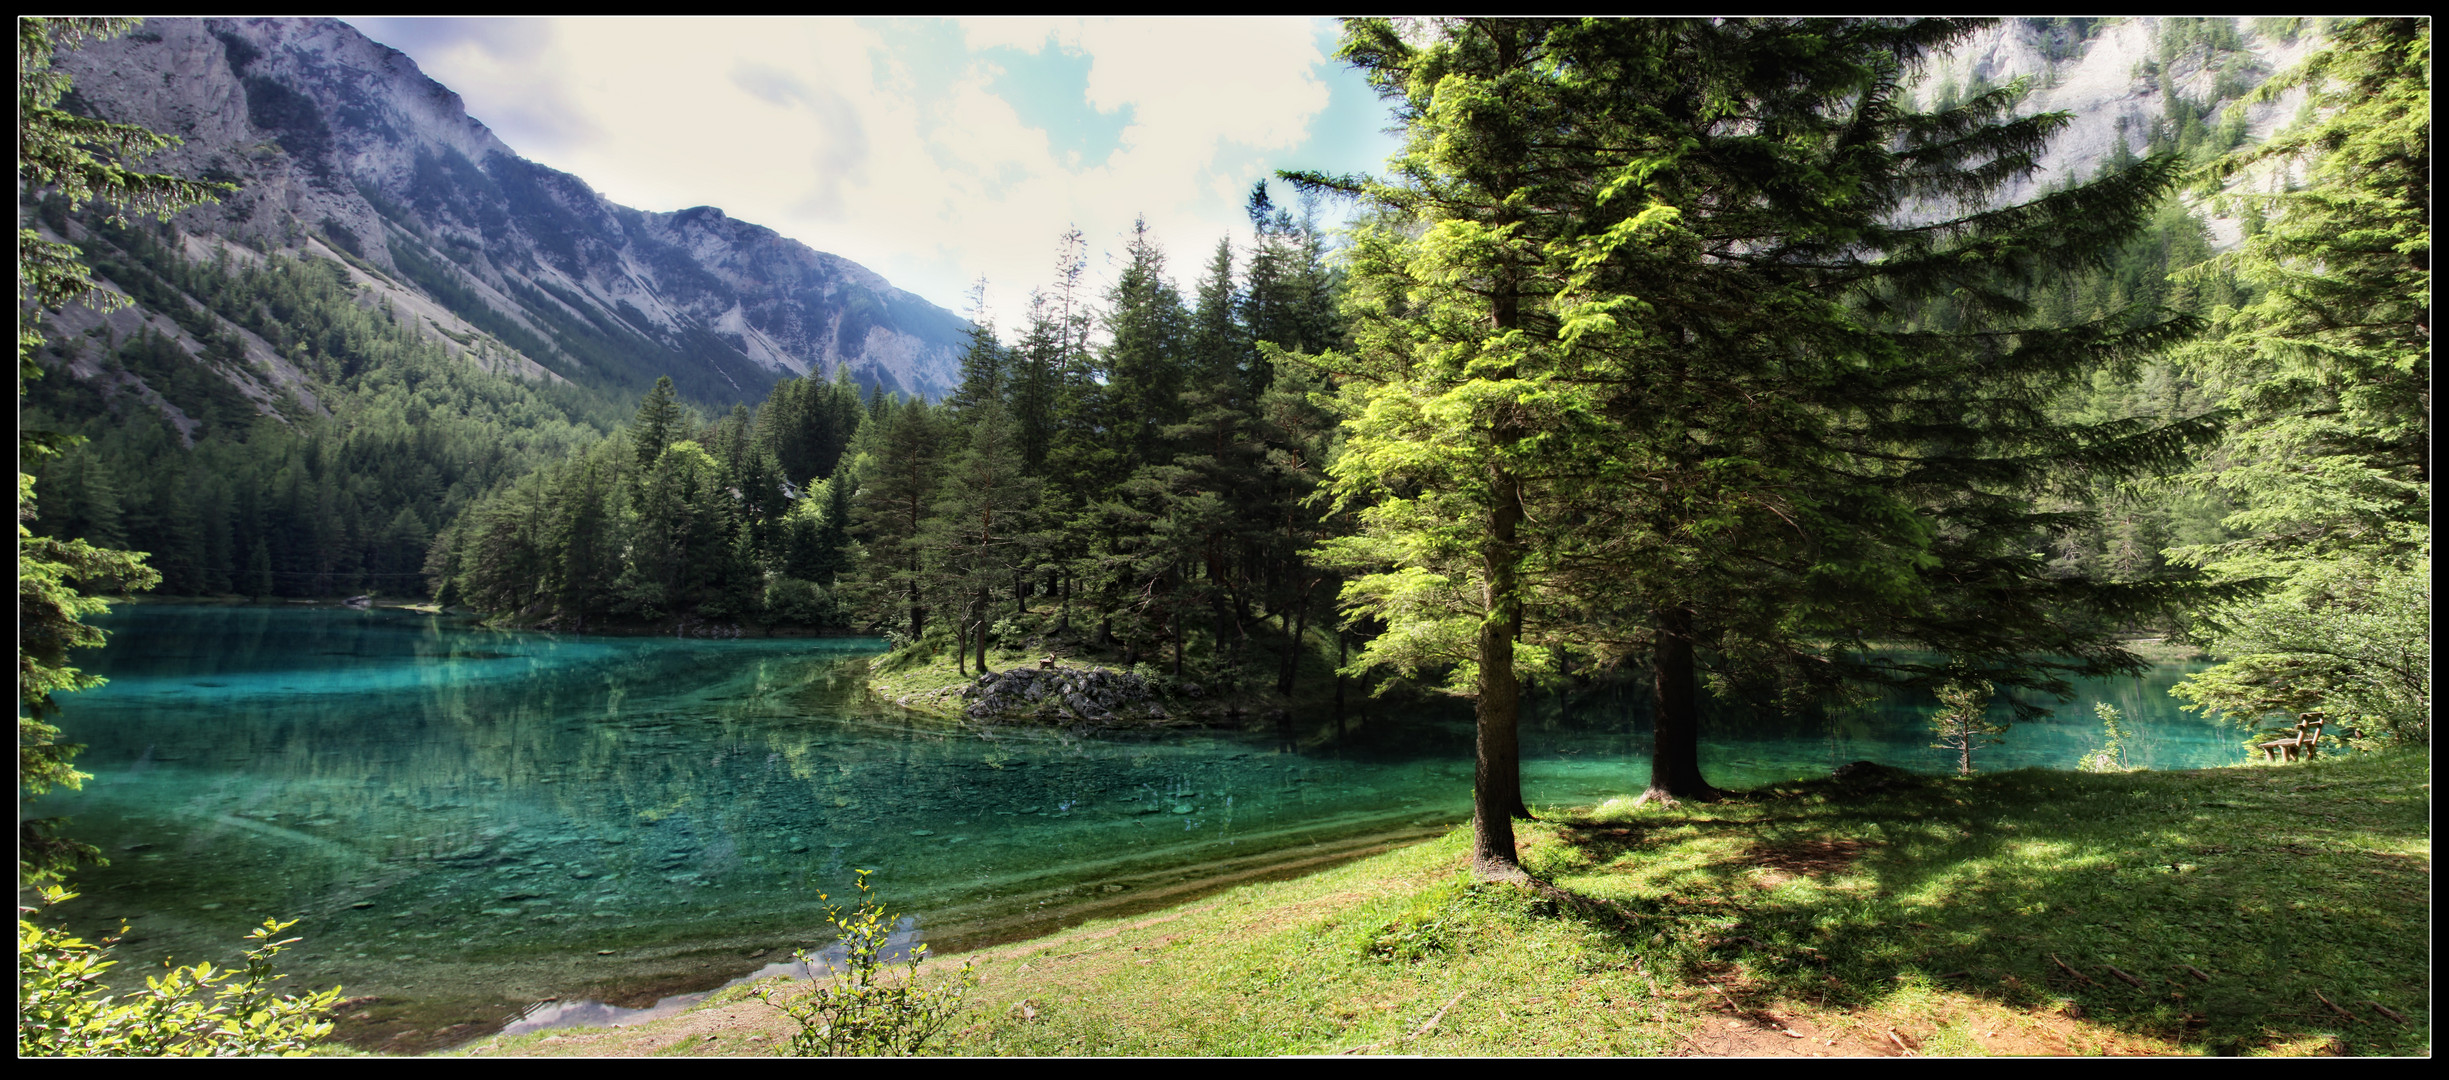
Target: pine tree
{"points": [[1296, 439], [1636, 366], [1436, 440], [1218, 350], [982, 532], [902, 451], [659, 423], [1962, 722], [1290, 301], [2328, 376], [81, 160], [683, 555], [1144, 359], [1840, 466], [984, 365], [581, 536]]}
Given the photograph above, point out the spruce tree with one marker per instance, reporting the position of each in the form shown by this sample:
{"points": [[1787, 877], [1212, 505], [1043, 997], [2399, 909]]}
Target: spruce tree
{"points": [[983, 531], [659, 422], [1635, 368], [581, 536], [985, 364], [1037, 365], [1143, 366], [82, 160], [1218, 348], [900, 469], [2328, 377]]}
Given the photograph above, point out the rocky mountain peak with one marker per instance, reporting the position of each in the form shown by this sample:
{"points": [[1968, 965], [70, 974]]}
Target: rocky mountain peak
{"points": [[342, 146]]}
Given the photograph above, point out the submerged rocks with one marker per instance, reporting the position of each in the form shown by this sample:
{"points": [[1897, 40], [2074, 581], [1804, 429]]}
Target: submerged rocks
{"points": [[1076, 697], [1075, 694]]}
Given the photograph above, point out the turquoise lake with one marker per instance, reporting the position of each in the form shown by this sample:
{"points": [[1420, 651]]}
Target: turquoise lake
{"points": [[470, 822]]}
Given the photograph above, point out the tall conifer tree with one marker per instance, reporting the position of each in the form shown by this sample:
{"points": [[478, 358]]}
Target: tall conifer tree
{"points": [[901, 470], [985, 365], [2328, 375], [1634, 366]]}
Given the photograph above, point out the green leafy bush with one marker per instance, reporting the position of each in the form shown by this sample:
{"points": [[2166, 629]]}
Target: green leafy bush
{"points": [[791, 600], [871, 1007], [2111, 757], [64, 1010]]}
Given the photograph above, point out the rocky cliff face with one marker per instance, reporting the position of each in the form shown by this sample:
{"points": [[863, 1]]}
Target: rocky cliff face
{"points": [[341, 146], [2117, 79]]}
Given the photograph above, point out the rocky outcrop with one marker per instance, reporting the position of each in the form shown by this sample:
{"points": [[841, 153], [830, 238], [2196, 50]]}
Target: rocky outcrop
{"points": [[2112, 90], [1058, 695], [342, 146]]}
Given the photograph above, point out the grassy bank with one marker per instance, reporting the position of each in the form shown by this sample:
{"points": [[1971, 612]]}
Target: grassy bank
{"points": [[2257, 910]]}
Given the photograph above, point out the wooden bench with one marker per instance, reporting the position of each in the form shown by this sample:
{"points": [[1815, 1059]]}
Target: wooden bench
{"points": [[2308, 733]]}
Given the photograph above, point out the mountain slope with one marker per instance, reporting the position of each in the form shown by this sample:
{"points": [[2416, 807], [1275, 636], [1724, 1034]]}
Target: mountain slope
{"points": [[342, 147], [2131, 86]]}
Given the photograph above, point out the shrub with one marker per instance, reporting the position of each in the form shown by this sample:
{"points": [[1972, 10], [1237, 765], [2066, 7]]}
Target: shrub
{"points": [[63, 1010], [806, 603], [2111, 757], [870, 1008]]}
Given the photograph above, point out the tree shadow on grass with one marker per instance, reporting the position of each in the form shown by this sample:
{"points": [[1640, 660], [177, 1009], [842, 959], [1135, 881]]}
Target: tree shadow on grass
{"points": [[2218, 909]]}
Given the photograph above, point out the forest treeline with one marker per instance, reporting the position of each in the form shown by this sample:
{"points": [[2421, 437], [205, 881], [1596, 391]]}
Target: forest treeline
{"points": [[337, 497], [1131, 471]]}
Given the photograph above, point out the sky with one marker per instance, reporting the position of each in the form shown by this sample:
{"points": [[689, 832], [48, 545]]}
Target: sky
{"points": [[933, 152]]}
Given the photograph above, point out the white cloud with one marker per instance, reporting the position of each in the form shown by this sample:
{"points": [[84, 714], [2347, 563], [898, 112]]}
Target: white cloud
{"points": [[910, 165]]}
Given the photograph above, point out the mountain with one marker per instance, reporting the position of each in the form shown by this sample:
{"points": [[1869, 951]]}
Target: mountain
{"points": [[343, 149], [2131, 86]]}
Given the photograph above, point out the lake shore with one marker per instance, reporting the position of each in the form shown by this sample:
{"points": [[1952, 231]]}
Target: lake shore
{"points": [[2028, 912]]}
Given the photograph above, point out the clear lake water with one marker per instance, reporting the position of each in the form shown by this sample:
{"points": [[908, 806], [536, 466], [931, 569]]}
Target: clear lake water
{"points": [[480, 828]]}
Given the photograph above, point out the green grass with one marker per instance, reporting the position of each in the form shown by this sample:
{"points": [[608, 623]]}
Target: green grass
{"points": [[1895, 912], [2277, 883]]}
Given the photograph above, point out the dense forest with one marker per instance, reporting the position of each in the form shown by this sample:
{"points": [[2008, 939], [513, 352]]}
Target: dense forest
{"points": [[1131, 472], [333, 498]]}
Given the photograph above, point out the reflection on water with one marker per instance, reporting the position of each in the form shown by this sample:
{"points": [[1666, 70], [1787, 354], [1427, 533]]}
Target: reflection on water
{"points": [[472, 822]]}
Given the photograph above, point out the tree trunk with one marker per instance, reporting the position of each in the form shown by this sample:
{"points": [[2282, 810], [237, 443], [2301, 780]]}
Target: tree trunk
{"points": [[1216, 610], [960, 644], [1675, 748], [1564, 684], [984, 607], [1059, 587], [1292, 656], [1496, 776], [1343, 655]]}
